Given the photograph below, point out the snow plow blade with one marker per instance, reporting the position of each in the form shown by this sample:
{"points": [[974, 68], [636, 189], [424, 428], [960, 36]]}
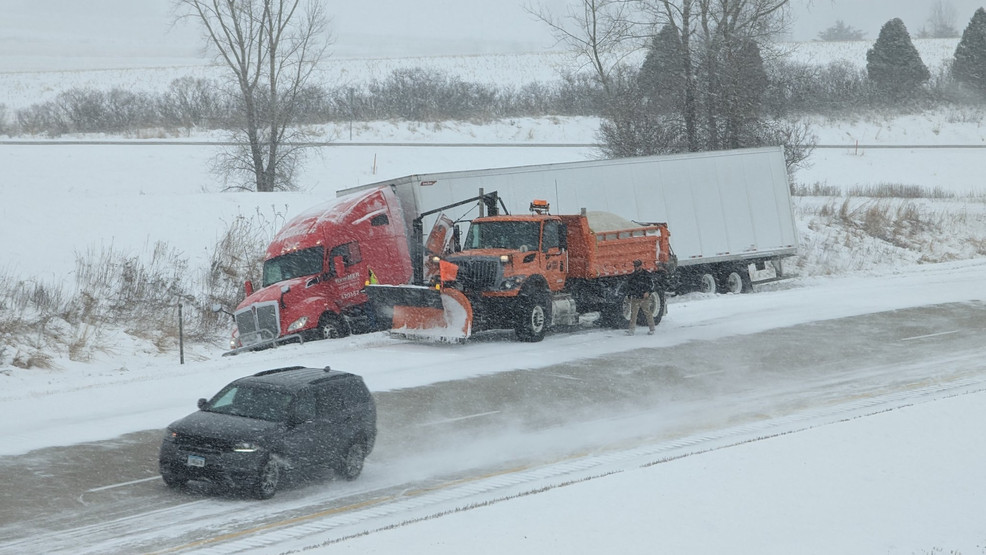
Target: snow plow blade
{"points": [[423, 312]]}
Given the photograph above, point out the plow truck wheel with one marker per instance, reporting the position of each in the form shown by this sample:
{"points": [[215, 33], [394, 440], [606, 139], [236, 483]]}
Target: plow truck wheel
{"points": [[616, 314], [532, 318], [656, 306]]}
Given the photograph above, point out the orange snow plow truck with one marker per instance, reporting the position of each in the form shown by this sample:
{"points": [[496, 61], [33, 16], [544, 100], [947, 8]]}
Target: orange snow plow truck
{"points": [[530, 273]]}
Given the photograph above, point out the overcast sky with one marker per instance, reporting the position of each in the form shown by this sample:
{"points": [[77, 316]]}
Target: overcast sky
{"points": [[142, 28], [869, 15]]}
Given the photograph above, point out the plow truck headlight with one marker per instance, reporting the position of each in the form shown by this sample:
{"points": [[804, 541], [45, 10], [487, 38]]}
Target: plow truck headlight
{"points": [[512, 282], [504, 258], [298, 324]]}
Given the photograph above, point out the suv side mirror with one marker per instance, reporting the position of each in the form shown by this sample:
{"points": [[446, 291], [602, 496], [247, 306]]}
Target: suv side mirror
{"points": [[203, 403]]}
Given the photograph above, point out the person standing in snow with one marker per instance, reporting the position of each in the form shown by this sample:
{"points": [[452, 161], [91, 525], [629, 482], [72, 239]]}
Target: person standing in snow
{"points": [[639, 288]]}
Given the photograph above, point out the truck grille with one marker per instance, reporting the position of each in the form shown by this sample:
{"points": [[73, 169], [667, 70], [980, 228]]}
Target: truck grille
{"points": [[258, 322], [478, 274]]}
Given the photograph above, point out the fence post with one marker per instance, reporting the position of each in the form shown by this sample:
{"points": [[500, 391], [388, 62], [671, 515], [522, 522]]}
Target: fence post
{"points": [[181, 337]]}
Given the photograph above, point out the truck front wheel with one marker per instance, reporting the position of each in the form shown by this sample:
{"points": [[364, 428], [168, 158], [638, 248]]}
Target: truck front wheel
{"points": [[331, 326], [532, 318]]}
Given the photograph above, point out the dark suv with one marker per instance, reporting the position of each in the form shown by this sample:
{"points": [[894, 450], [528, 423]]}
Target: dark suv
{"points": [[261, 425]]}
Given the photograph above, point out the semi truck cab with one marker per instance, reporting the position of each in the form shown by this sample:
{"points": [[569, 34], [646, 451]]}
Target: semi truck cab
{"points": [[315, 270]]}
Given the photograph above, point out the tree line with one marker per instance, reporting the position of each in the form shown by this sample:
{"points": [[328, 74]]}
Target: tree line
{"points": [[711, 78]]}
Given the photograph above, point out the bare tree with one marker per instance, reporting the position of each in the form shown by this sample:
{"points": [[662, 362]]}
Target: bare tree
{"points": [[941, 22], [601, 32], [271, 48]]}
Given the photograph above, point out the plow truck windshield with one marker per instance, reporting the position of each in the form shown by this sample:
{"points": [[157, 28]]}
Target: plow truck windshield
{"points": [[512, 235]]}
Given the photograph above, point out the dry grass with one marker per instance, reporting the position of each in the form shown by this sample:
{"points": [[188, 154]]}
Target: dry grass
{"points": [[846, 234], [133, 293]]}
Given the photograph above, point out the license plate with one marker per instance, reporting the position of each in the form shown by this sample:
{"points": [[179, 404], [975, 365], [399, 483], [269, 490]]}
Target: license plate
{"points": [[196, 461]]}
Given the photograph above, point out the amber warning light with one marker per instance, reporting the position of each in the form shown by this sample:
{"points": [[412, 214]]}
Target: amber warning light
{"points": [[539, 206]]}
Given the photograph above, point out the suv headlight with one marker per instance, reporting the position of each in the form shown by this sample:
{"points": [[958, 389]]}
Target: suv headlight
{"points": [[246, 447], [298, 324], [170, 435]]}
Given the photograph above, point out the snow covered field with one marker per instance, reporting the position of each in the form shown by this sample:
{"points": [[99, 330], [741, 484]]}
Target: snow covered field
{"points": [[908, 480]]}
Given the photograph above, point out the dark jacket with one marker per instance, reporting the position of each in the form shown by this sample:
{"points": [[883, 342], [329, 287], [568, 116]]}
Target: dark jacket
{"points": [[640, 282]]}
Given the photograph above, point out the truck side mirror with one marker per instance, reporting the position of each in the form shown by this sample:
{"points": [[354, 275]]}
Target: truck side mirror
{"points": [[456, 239], [248, 287]]}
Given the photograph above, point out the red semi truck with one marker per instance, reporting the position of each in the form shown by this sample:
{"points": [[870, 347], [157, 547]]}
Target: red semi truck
{"points": [[316, 267]]}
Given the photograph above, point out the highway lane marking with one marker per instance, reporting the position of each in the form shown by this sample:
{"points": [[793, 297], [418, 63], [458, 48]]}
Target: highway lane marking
{"points": [[459, 418], [563, 377], [703, 374], [929, 335], [123, 484]]}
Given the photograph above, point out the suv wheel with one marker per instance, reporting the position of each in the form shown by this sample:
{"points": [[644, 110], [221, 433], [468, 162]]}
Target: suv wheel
{"points": [[267, 479], [351, 464], [172, 480]]}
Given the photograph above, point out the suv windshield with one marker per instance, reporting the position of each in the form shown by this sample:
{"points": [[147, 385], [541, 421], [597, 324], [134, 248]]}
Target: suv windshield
{"points": [[252, 401], [503, 235], [305, 262]]}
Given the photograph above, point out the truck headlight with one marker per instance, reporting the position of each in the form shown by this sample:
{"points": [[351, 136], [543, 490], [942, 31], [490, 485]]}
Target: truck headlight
{"points": [[512, 282], [298, 324]]}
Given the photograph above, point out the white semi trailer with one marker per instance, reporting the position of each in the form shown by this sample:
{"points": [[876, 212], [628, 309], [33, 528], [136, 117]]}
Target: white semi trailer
{"points": [[729, 212]]}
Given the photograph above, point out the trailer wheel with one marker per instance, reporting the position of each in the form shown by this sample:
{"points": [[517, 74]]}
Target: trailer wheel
{"points": [[737, 281], [332, 326], [532, 318], [707, 283]]}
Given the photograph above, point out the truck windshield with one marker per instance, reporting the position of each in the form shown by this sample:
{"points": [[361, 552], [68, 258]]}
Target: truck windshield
{"points": [[305, 262], [503, 235]]}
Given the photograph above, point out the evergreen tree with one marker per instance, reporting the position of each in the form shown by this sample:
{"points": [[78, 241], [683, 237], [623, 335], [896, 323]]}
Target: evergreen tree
{"points": [[893, 64], [745, 84], [970, 55], [662, 75]]}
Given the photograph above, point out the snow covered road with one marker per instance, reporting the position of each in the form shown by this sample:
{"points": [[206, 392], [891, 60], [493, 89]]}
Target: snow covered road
{"points": [[500, 419]]}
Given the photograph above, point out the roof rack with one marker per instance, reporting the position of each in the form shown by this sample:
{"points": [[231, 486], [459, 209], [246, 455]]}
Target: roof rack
{"points": [[278, 370]]}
